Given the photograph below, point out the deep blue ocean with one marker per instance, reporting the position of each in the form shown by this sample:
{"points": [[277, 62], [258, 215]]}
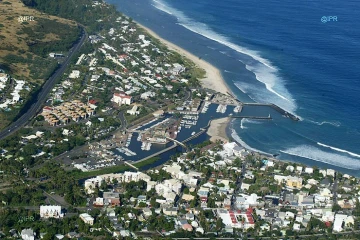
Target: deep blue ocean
{"points": [[277, 52]]}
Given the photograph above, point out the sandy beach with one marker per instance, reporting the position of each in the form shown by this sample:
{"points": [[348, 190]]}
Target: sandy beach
{"points": [[217, 129], [213, 79]]}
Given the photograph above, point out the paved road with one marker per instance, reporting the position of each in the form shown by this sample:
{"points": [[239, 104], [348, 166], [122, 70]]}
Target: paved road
{"points": [[239, 181], [335, 186], [48, 85]]}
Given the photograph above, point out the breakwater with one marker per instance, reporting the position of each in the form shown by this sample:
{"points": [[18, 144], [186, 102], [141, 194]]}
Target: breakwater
{"points": [[253, 117], [275, 107]]}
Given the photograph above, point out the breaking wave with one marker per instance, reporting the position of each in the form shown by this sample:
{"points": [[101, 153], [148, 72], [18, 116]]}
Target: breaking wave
{"points": [[264, 71], [313, 153], [241, 124], [339, 150], [237, 138]]}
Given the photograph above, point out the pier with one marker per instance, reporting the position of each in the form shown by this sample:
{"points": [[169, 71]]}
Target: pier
{"points": [[253, 117], [276, 108]]}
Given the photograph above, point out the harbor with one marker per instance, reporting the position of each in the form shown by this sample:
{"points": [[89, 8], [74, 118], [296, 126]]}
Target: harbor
{"points": [[171, 132]]}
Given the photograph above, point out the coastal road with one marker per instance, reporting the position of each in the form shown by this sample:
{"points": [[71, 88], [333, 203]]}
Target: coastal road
{"points": [[46, 88]]}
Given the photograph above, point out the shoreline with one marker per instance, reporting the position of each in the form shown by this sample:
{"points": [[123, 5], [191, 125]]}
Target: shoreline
{"points": [[218, 129], [213, 79]]}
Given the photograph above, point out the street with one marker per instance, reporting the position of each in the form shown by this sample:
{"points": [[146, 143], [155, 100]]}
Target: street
{"points": [[46, 88]]}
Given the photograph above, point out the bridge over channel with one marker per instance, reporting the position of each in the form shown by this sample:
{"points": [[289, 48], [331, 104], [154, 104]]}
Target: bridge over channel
{"points": [[132, 166], [177, 142]]}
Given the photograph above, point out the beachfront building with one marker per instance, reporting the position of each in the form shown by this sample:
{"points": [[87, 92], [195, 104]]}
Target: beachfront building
{"points": [[122, 98]]}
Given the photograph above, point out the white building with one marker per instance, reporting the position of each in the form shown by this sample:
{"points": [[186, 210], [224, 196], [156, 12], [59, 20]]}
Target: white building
{"points": [[122, 98], [87, 218], [174, 184], [340, 220], [74, 74], [3, 79], [233, 149], [51, 212], [92, 183], [290, 168], [27, 234], [330, 172], [147, 95], [133, 111]]}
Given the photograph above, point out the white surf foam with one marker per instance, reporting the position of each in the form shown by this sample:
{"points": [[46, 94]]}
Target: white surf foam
{"points": [[334, 123], [261, 95], [265, 72], [270, 81], [159, 5], [313, 153], [237, 138], [246, 120], [339, 150], [241, 124]]}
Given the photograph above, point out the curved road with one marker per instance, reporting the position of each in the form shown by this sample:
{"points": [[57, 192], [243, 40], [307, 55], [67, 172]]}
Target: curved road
{"points": [[46, 88]]}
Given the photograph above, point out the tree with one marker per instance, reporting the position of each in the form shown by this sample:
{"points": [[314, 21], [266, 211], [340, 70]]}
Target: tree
{"points": [[356, 211], [142, 205], [219, 225], [336, 207], [211, 203]]}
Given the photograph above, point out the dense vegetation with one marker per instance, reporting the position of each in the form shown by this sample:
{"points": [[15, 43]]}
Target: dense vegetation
{"points": [[37, 36], [79, 10]]}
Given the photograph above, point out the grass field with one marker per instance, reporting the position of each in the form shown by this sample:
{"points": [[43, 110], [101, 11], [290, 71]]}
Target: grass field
{"points": [[14, 39]]}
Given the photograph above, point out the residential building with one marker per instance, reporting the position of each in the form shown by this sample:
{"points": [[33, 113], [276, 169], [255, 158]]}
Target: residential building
{"points": [[122, 98], [133, 111], [27, 234], [74, 74], [51, 212], [294, 182], [86, 218], [111, 199]]}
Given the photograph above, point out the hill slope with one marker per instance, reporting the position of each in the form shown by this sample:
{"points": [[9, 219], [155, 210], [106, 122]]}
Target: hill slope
{"points": [[25, 48]]}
